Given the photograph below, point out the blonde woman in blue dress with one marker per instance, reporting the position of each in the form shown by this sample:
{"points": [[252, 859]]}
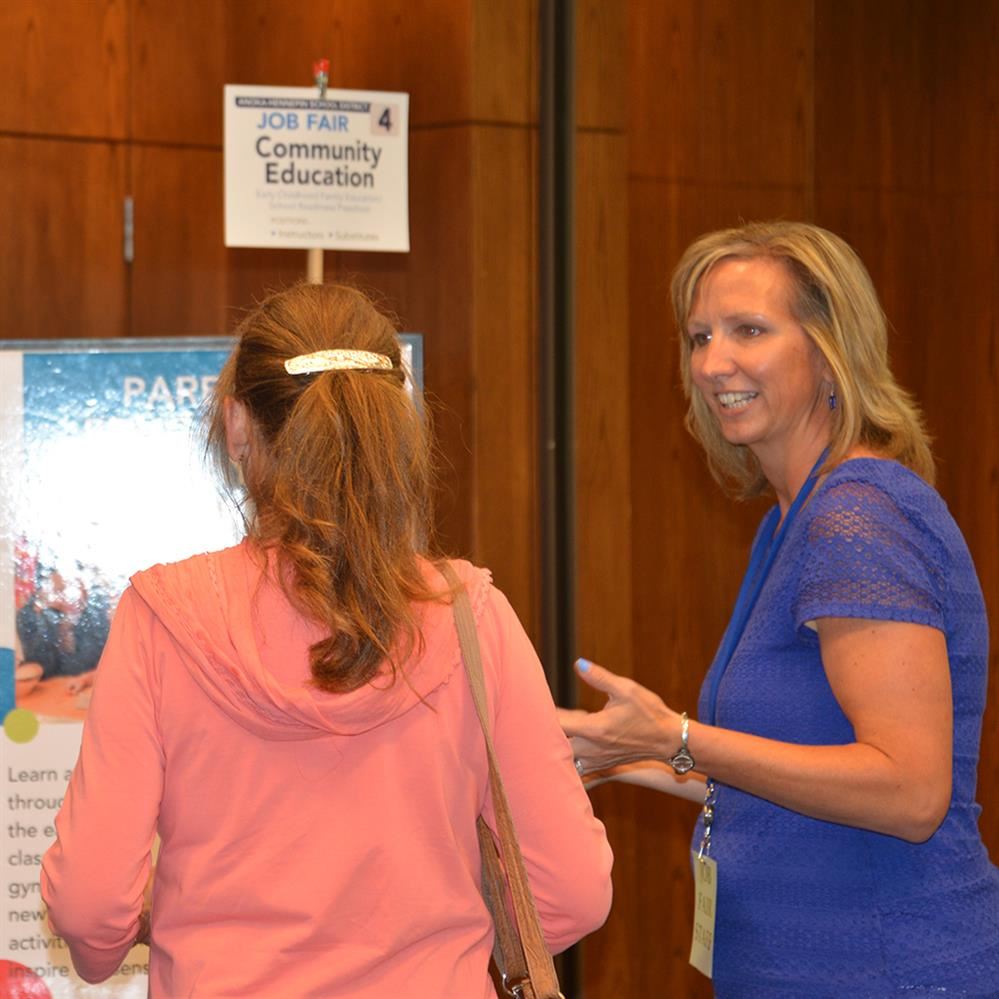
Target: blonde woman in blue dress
{"points": [[837, 732]]}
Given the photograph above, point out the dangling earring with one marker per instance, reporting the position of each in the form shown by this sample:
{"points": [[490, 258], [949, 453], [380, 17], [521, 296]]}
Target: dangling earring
{"points": [[832, 397], [236, 466]]}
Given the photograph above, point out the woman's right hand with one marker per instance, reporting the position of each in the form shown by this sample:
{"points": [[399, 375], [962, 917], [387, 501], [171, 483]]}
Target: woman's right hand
{"points": [[633, 725]]}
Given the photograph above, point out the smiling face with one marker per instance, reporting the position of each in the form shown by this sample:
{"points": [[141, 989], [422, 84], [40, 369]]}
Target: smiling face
{"points": [[756, 368]]}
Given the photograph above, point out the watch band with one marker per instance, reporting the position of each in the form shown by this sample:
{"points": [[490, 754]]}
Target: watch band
{"points": [[681, 761]]}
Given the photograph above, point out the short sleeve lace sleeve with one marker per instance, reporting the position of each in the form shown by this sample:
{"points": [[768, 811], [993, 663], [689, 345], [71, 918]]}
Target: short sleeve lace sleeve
{"points": [[865, 557]]}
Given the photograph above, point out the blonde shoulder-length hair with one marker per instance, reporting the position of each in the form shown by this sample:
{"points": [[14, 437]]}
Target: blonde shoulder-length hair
{"points": [[833, 298]]}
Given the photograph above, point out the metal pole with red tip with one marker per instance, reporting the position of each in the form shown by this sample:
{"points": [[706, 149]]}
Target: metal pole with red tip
{"points": [[314, 261]]}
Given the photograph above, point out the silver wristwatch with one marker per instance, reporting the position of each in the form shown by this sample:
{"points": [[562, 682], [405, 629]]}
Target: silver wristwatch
{"points": [[681, 761]]}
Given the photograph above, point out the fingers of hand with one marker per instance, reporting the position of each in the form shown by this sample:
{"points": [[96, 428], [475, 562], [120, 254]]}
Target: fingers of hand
{"points": [[582, 748], [596, 676], [615, 686], [574, 722]]}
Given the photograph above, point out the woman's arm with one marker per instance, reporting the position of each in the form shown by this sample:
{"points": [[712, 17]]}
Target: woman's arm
{"points": [[94, 874], [892, 681], [651, 774]]}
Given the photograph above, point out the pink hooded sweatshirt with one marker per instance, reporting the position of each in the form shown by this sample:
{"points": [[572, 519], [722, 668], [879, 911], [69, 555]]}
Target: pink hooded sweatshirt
{"points": [[312, 844]]}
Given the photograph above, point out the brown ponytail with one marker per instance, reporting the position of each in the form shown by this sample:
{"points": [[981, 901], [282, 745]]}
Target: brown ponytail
{"points": [[339, 475]]}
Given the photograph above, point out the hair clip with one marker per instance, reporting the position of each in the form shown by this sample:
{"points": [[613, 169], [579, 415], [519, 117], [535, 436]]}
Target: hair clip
{"points": [[337, 360]]}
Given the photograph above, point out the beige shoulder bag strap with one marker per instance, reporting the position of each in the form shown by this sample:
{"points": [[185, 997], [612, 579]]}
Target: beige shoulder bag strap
{"points": [[525, 965]]}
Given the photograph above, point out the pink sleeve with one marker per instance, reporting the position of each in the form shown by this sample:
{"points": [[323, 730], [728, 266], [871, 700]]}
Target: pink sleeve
{"points": [[565, 847], [94, 874]]}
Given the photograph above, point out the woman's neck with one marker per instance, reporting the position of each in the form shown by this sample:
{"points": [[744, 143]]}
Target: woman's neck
{"points": [[787, 475], [789, 478]]}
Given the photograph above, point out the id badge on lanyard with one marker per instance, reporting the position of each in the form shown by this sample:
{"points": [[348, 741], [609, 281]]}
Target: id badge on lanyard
{"points": [[702, 946]]}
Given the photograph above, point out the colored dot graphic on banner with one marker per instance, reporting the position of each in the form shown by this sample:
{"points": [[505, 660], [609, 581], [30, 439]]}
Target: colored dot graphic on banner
{"points": [[20, 725]]}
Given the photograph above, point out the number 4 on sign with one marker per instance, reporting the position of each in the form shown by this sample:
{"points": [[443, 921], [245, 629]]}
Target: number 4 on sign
{"points": [[385, 119]]}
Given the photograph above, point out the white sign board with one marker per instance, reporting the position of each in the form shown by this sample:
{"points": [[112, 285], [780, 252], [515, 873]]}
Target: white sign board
{"points": [[303, 172]]}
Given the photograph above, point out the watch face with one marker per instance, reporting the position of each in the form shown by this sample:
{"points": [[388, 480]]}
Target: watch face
{"points": [[681, 761]]}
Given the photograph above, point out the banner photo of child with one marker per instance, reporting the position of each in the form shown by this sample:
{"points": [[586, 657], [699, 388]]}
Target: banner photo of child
{"points": [[101, 477]]}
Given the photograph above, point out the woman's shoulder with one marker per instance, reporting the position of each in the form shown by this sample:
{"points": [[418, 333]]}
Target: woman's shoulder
{"points": [[870, 495], [872, 483], [203, 568], [435, 616], [495, 617], [477, 581], [882, 472]]}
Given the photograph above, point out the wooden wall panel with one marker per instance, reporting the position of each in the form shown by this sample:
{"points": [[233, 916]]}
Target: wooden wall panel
{"points": [[419, 46], [505, 58], [601, 65], [178, 275], [908, 95], [603, 348], [603, 488], [867, 57], [720, 92], [602, 342], [62, 273], [64, 67], [251, 273], [504, 321], [964, 112], [663, 74], [176, 72], [753, 93]]}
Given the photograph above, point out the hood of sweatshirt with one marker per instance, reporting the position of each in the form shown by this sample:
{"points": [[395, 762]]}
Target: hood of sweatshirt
{"points": [[247, 648]]}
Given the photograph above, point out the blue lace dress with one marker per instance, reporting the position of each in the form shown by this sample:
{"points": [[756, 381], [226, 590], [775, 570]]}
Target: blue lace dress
{"points": [[824, 911]]}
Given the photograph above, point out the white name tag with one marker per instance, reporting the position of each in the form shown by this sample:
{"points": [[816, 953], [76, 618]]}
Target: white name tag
{"points": [[702, 947]]}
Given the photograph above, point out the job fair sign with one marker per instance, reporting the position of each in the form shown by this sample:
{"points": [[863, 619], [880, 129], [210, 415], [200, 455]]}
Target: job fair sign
{"points": [[305, 172]]}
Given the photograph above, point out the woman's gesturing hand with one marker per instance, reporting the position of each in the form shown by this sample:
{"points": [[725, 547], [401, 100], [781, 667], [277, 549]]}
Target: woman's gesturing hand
{"points": [[634, 724]]}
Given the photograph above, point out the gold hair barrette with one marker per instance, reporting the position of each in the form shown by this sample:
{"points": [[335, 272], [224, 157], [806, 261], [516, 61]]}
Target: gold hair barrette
{"points": [[337, 360]]}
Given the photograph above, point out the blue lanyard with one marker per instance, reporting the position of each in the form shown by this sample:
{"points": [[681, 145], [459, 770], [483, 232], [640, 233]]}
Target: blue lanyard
{"points": [[760, 561]]}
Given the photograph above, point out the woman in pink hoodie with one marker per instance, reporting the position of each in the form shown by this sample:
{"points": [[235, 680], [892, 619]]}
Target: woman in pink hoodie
{"points": [[291, 715]]}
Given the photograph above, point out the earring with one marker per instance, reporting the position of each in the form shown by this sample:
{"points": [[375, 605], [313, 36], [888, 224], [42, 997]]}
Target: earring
{"points": [[236, 467], [832, 397]]}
